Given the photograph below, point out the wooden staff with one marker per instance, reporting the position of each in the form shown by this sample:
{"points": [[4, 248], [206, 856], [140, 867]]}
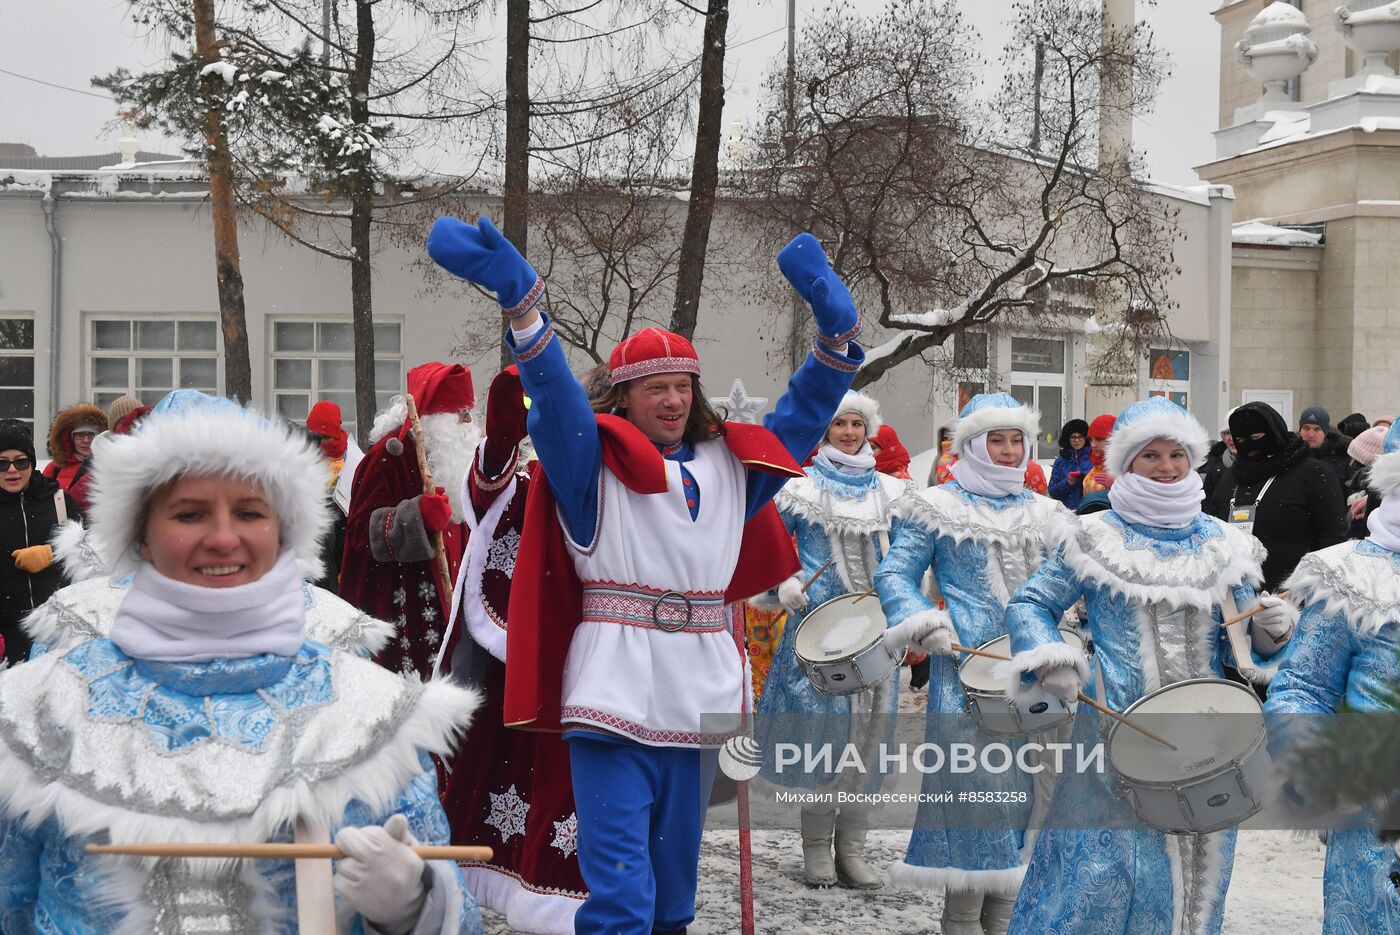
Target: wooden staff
{"points": [[810, 581], [439, 551], [279, 851], [1240, 618], [1101, 708]]}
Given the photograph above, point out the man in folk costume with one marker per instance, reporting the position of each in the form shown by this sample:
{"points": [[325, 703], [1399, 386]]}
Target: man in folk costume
{"points": [[1344, 658], [982, 535], [1157, 577], [388, 569], [618, 627], [202, 709], [518, 799]]}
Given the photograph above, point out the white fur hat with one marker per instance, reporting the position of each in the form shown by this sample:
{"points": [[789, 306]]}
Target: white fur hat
{"points": [[988, 412], [189, 432], [863, 406], [1156, 417]]}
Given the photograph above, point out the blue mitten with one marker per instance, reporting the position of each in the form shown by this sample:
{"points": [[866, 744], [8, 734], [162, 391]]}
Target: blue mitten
{"points": [[480, 254], [805, 265]]}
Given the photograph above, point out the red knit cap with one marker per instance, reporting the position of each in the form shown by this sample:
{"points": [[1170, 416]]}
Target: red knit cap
{"points": [[1102, 427], [325, 420], [439, 388], [651, 351]]}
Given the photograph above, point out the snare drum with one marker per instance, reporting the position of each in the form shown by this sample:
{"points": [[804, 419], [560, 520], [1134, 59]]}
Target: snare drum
{"points": [[1216, 779], [841, 645], [1032, 711]]}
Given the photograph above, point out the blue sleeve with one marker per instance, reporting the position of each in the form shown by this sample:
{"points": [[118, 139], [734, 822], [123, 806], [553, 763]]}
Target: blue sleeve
{"points": [[1033, 616], [1060, 487], [900, 577], [562, 429], [803, 414], [1312, 679], [20, 853]]}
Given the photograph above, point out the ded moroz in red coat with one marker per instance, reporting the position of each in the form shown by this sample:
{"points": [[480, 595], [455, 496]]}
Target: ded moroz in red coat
{"points": [[546, 599]]}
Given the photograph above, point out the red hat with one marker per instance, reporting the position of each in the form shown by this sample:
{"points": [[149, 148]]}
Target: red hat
{"points": [[1102, 427], [652, 351], [437, 388], [325, 420]]}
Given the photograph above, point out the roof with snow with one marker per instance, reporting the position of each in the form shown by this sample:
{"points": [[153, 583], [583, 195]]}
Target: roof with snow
{"points": [[1261, 234], [10, 160]]}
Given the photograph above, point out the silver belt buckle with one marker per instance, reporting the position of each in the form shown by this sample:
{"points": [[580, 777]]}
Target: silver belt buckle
{"points": [[671, 626]]}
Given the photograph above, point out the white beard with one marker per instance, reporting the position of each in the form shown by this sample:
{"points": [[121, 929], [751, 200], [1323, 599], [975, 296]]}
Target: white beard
{"points": [[450, 445]]}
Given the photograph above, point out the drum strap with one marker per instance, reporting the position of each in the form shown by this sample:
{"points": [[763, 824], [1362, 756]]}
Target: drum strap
{"points": [[1239, 642]]}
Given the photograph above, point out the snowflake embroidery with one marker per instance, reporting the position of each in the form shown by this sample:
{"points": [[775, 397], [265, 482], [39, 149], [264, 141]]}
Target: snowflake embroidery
{"points": [[508, 811], [429, 613], [401, 621], [433, 637], [566, 835], [503, 551], [425, 590], [403, 642], [400, 595]]}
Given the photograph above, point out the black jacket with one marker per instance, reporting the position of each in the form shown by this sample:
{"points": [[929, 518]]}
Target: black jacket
{"points": [[1333, 453], [1212, 470], [1302, 511], [27, 518]]}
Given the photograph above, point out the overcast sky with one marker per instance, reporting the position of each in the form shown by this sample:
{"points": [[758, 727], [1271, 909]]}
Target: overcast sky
{"points": [[66, 42]]}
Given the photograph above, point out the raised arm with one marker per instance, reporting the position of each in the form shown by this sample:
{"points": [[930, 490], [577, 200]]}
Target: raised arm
{"points": [[560, 423], [803, 413]]}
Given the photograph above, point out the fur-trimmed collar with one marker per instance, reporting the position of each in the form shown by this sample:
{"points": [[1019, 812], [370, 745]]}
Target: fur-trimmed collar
{"points": [[1188, 567], [1359, 580], [949, 510], [844, 503]]}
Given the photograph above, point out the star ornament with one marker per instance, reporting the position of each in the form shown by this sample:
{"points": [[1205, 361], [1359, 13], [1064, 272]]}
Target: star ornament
{"points": [[741, 406]]}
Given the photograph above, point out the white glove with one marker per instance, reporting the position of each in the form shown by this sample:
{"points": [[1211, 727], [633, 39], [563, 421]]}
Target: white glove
{"points": [[790, 594], [1272, 627], [929, 631], [380, 874], [1061, 681]]}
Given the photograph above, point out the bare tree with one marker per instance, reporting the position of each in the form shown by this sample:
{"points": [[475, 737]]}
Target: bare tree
{"points": [[945, 214]]}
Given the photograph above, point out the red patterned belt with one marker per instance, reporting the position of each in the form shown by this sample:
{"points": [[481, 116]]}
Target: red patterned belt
{"points": [[636, 605]]}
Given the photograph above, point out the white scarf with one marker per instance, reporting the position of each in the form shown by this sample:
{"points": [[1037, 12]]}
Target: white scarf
{"points": [[858, 463], [1148, 502], [1384, 523], [165, 620], [977, 473]]}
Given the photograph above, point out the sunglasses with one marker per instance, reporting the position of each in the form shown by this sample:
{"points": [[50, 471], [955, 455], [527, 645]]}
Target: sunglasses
{"points": [[19, 464]]}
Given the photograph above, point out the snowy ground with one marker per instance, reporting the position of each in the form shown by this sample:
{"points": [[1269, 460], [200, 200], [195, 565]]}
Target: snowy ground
{"points": [[1277, 877]]}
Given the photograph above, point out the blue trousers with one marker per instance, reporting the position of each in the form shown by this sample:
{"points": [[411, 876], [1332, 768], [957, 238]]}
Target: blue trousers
{"points": [[640, 814]]}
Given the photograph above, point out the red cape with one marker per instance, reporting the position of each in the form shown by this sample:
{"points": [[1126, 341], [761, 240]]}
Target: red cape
{"points": [[545, 594]]}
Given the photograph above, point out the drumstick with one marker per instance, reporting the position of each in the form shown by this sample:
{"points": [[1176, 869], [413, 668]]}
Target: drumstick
{"points": [[810, 581], [863, 596], [1238, 618], [282, 851], [1103, 709]]}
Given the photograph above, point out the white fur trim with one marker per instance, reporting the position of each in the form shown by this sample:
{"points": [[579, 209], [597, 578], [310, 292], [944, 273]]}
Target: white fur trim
{"points": [[809, 499], [1384, 478], [940, 511], [1051, 655], [1005, 882], [1024, 418], [1364, 588], [541, 911], [1094, 550], [208, 441], [865, 407], [1125, 442], [77, 552], [389, 420], [468, 595]]}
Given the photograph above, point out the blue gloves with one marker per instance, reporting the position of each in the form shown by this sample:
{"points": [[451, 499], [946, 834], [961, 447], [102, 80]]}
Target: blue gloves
{"points": [[805, 266], [481, 255]]}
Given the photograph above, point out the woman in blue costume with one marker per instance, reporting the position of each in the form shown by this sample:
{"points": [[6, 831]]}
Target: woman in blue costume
{"points": [[203, 712], [1347, 655], [841, 516], [1152, 572], [982, 534]]}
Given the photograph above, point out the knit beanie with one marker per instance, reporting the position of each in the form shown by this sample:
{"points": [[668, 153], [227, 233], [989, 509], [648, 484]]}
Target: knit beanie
{"points": [[1316, 415], [1367, 446], [18, 436], [119, 409]]}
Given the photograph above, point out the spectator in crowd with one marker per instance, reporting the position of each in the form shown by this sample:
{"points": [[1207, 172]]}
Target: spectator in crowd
{"points": [[1098, 477], [121, 407], [31, 506], [1353, 425], [1067, 473], [1220, 457], [1035, 479], [70, 447], [891, 457], [1361, 500], [1290, 501], [943, 465], [326, 427], [127, 424], [1327, 446]]}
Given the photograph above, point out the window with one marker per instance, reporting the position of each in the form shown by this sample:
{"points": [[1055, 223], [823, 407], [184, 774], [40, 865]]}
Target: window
{"points": [[1169, 374], [1037, 355], [149, 357], [17, 369], [315, 360], [970, 350]]}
